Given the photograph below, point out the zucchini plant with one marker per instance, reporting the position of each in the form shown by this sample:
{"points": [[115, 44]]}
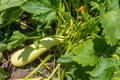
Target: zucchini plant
{"points": [[88, 29]]}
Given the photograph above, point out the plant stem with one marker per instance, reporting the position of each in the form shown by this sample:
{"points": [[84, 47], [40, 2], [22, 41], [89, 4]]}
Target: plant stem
{"points": [[53, 72], [71, 25], [22, 23], [83, 26], [35, 37], [60, 7], [48, 68], [66, 5], [38, 67], [61, 16]]}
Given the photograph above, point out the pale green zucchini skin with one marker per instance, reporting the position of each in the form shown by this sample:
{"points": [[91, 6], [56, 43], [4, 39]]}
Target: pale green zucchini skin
{"points": [[30, 53]]}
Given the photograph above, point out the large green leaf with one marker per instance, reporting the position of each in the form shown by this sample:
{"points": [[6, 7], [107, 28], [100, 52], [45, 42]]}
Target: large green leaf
{"points": [[47, 17], [85, 53], [73, 71], [110, 22], [76, 72], [104, 69], [5, 4], [113, 4], [37, 7], [43, 10], [9, 11]]}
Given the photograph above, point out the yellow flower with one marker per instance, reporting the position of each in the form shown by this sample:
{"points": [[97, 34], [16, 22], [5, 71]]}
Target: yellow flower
{"points": [[82, 9]]}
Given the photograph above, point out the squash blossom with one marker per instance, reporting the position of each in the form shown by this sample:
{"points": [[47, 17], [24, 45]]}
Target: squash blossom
{"points": [[82, 9]]}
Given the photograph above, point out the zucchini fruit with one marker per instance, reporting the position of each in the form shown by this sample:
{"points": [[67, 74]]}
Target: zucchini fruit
{"points": [[30, 53]]}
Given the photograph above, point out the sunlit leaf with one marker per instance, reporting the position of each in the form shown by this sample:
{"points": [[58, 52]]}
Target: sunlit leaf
{"points": [[110, 22], [104, 69], [5, 4], [85, 53], [47, 17], [113, 4], [42, 10], [36, 7]]}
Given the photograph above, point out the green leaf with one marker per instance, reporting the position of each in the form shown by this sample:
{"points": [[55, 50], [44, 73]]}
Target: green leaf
{"points": [[95, 5], [9, 11], [43, 10], [76, 72], [17, 35], [3, 74], [16, 40], [66, 58], [5, 4], [37, 7], [47, 17], [73, 71], [10, 15], [113, 4], [55, 3], [3, 47], [104, 69], [85, 53], [110, 22], [99, 45]]}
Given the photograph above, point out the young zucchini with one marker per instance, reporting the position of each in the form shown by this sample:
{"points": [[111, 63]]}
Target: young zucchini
{"points": [[30, 53]]}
